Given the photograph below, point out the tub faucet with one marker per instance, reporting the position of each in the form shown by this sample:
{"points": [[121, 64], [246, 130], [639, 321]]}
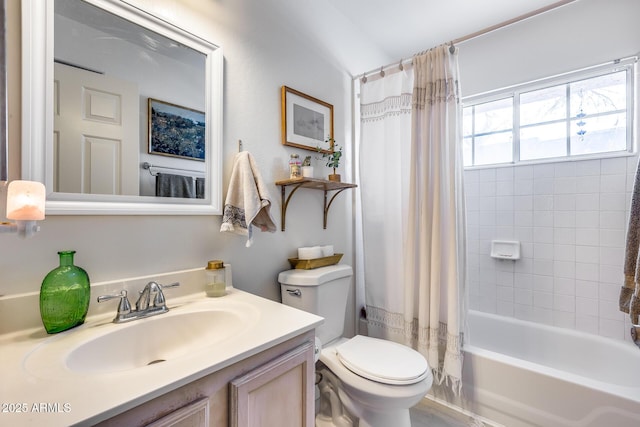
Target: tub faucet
{"points": [[150, 302], [635, 334]]}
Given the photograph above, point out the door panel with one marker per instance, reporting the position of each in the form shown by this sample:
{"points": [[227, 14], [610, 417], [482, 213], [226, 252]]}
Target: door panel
{"points": [[96, 147]]}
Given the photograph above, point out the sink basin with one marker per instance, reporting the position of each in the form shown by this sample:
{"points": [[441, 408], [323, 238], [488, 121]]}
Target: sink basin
{"points": [[109, 348], [153, 340]]}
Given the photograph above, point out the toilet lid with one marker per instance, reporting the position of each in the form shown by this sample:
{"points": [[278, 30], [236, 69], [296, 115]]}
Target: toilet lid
{"points": [[382, 361]]}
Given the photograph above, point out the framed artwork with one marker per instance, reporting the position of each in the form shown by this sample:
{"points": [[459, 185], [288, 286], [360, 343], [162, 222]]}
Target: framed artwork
{"points": [[307, 122], [176, 131]]}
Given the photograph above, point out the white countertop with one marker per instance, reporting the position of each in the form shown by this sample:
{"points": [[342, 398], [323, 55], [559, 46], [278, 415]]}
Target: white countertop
{"points": [[60, 397]]}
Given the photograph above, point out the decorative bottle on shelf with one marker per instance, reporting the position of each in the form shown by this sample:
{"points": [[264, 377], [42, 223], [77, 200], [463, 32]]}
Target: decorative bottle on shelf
{"points": [[295, 169], [64, 295]]}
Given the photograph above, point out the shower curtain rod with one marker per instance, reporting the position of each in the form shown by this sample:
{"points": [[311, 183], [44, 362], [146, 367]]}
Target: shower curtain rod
{"points": [[400, 64]]}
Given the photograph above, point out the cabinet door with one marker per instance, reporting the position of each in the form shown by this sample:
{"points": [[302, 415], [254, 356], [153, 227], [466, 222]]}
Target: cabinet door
{"points": [[278, 393], [195, 414]]}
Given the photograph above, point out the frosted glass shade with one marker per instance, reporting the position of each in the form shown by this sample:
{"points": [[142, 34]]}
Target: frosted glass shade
{"points": [[25, 200]]}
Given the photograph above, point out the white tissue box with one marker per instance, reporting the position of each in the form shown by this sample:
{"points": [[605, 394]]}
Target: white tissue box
{"points": [[312, 252], [327, 250]]}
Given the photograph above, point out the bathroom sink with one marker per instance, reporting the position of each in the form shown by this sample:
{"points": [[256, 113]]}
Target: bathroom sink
{"points": [[153, 341], [110, 348]]}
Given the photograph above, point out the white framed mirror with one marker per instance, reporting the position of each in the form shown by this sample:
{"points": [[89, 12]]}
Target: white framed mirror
{"points": [[4, 149], [122, 111]]}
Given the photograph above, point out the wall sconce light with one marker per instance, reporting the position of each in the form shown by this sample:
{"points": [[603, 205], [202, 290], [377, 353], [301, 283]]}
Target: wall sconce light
{"points": [[25, 205]]}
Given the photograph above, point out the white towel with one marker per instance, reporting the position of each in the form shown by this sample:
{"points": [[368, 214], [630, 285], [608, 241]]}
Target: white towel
{"points": [[248, 202]]}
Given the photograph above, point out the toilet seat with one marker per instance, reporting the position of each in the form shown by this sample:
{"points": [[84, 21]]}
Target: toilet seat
{"points": [[382, 361]]}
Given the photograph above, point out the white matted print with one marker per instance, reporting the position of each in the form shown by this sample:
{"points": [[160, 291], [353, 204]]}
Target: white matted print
{"points": [[307, 122]]}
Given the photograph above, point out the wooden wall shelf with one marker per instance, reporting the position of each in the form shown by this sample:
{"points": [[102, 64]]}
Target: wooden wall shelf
{"points": [[314, 184]]}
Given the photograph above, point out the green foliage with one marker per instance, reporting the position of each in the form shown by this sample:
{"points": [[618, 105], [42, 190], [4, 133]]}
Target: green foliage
{"points": [[333, 157]]}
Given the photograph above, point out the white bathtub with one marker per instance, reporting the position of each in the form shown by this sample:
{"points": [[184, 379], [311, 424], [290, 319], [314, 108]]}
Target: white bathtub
{"points": [[520, 373]]}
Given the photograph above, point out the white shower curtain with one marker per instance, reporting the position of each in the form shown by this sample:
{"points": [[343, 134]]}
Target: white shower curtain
{"points": [[413, 210]]}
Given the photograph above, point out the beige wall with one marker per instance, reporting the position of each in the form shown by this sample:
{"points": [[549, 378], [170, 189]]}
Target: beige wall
{"points": [[261, 55], [581, 34]]}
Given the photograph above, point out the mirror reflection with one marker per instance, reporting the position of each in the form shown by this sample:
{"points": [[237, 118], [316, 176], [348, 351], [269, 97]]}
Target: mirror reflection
{"points": [[87, 163], [129, 108]]}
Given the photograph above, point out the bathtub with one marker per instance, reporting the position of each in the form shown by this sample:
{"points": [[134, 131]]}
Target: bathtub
{"points": [[523, 374]]}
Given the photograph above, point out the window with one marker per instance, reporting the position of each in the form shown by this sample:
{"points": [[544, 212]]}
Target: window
{"points": [[583, 113]]}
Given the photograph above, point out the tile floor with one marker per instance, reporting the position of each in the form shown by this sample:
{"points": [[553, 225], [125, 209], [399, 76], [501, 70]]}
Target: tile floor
{"points": [[429, 413]]}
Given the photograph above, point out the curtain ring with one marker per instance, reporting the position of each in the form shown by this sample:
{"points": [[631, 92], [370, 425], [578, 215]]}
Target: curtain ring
{"points": [[363, 79], [400, 66], [381, 71]]}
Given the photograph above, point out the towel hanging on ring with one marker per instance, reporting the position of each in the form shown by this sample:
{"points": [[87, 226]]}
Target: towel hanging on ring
{"points": [[248, 202]]}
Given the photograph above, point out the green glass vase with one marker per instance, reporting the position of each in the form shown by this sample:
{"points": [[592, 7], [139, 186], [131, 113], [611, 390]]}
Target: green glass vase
{"points": [[64, 295]]}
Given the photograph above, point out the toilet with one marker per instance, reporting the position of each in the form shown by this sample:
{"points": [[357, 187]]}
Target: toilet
{"points": [[364, 381]]}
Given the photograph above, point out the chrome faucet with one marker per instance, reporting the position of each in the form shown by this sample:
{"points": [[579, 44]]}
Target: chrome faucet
{"points": [[144, 300], [150, 302]]}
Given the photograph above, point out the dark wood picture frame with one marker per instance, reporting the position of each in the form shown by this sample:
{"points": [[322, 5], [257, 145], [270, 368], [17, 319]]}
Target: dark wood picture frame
{"points": [[176, 131]]}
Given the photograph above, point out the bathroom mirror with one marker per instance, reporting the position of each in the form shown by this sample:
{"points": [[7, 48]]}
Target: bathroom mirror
{"points": [[90, 71], [4, 144]]}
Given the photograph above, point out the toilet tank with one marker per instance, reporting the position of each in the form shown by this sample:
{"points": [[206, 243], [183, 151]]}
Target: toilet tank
{"points": [[323, 291]]}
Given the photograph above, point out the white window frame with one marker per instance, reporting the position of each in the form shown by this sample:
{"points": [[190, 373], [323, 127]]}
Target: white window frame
{"points": [[628, 64]]}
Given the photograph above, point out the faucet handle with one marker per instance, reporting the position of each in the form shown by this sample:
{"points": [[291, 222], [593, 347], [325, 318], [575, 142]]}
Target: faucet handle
{"points": [[124, 307], [159, 300], [170, 285]]}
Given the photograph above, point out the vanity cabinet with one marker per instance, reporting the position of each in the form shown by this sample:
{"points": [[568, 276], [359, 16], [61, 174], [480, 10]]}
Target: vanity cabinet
{"points": [[194, 414], [273, 387], [262, 396]]}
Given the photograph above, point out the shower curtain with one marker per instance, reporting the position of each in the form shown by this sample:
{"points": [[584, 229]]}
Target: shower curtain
{"points": [[413, 210]]}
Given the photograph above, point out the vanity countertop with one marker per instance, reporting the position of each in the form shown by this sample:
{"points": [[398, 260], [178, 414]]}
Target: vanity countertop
{"points": [[47, 392]]}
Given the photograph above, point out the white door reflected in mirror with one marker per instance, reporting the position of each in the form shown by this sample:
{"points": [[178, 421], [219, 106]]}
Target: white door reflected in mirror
{"points": [[95, 133]]}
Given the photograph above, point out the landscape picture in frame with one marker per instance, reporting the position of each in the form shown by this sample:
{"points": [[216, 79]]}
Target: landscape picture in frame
{"points": [[176, 131], [307, 122]]}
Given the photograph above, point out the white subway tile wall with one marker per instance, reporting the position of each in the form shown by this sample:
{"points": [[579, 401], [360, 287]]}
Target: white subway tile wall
{"points": [[571, 220]]}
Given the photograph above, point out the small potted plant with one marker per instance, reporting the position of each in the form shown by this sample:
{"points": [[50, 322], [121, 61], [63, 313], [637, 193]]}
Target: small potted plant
{"points": [[307, 169], [332, 157]]}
